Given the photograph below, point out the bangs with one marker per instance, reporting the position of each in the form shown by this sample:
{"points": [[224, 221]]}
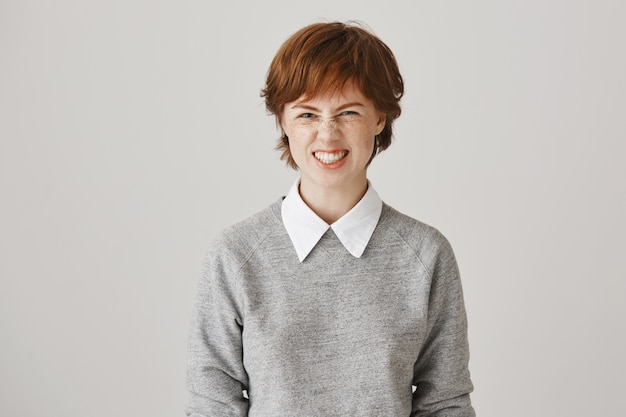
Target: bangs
{"points": [[324, 69], [319, 63]]}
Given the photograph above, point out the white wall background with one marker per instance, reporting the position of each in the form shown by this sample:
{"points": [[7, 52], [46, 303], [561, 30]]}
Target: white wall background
{"points": [[131, 131]]}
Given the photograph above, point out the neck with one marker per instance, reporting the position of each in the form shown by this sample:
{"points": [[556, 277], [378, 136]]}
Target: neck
{"points": [[330, 204]]}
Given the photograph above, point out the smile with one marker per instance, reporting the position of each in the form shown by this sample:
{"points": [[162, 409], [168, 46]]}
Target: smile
{"points": [[330, 157]]}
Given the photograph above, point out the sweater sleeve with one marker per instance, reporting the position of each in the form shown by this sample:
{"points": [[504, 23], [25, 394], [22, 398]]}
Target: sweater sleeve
{"points": [[216, 377], [441, 373]]}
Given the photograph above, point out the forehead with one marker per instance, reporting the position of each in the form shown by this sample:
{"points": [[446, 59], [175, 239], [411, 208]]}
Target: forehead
{"points": [[349, 93]]}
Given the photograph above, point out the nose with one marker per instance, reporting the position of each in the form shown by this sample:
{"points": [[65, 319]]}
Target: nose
{"points": [[330, 124], [327, 128]]}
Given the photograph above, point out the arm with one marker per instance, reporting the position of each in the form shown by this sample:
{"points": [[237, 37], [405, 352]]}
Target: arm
{"points": [[441, 372], [216, 377]]}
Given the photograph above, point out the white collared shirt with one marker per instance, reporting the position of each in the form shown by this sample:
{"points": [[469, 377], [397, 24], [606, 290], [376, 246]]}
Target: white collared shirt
{"points": [[354, 229]]}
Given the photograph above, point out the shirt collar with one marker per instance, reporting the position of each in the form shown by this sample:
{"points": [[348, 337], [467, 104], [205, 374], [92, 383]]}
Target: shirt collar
{"points": [[354, 229]]}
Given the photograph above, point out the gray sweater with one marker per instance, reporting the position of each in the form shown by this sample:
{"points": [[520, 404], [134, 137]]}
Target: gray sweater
{"points": [[334, 335]]}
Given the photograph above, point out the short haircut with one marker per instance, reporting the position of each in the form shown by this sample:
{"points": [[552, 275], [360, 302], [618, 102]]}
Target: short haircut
{"points": [[320, 59]]}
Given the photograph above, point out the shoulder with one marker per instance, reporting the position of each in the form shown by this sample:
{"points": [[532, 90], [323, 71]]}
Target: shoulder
{"points": [[413, 231], [239, 240], [426, 241]]}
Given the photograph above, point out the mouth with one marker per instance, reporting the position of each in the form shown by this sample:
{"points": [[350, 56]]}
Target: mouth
{"points": [[328, 158]]}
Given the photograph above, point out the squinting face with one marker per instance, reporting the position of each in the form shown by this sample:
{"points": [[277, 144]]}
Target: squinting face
{"points": [[331, 137]]}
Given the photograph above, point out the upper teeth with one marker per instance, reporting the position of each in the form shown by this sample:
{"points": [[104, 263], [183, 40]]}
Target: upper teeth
{"points": [[328, 157]]}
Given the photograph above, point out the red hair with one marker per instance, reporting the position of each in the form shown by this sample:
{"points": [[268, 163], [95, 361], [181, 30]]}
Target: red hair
{"points": [[321, 58]]}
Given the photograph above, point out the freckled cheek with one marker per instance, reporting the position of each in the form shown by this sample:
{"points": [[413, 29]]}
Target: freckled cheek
{"points": [[366, 136], [299, 138], [298, 148]]}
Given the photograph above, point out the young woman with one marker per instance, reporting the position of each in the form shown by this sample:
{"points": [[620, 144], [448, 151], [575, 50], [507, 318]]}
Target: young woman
{"points": [[330, 302]]}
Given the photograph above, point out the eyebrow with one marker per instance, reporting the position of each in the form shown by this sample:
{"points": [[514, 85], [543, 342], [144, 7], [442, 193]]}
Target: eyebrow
{"points": [[305, 106]]}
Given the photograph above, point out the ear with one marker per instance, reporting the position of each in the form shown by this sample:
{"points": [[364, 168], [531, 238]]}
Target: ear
{"points": [[380, 125], [280, 123]]}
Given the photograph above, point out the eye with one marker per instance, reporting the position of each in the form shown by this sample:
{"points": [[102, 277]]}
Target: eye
{"points": [[348, 113], [306, 116]]}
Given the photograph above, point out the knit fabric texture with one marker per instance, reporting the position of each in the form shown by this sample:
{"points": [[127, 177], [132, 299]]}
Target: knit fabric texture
{"points": [[333, 335]]}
